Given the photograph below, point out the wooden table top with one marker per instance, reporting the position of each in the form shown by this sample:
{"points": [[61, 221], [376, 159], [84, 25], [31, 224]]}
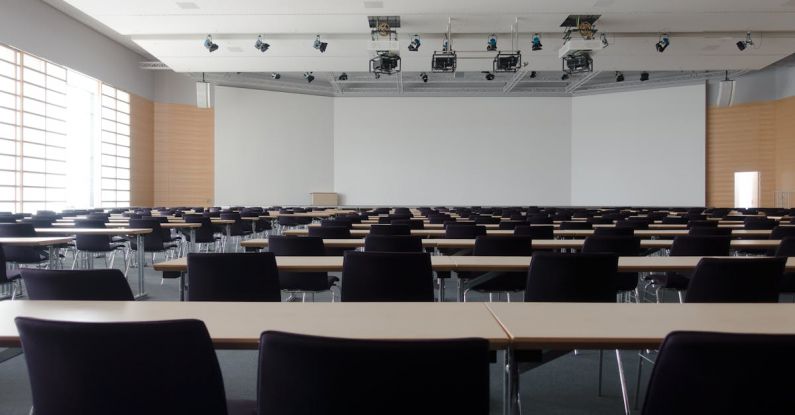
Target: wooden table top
{"points": [[35, 241], [476, 263], [638, 326], [239, 325], [647, 233], [93, 231]]}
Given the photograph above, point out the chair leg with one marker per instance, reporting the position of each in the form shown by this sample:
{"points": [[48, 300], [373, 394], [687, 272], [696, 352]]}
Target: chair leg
{"points": [[601, 364], [637, 384], [623, 380], [681, 296]]}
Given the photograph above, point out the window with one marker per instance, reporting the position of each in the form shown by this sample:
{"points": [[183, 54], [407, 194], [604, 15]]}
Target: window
{"points": [[746, 189], [64, 137]]}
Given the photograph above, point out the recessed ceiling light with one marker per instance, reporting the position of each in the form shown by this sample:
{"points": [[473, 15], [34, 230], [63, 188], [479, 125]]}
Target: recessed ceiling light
{"points": [[373, 4], [187, 5]]}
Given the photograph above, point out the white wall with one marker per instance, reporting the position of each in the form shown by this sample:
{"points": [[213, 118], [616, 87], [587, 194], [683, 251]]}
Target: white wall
{"points": [[425, 151], [175, 88], [271, 147], [37, 28], [639, 148]]}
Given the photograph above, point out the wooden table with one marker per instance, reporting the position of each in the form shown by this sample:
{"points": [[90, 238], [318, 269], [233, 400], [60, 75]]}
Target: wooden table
{"points": [[138, 233], [643, 233], [49, 241]]}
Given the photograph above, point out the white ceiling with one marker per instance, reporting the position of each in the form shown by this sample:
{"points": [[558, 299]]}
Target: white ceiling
{"points": [[704, 32]]}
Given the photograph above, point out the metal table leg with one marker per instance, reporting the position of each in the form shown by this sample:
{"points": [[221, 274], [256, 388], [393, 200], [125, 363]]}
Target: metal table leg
{"points": [[139, 240], [52, 257], [228, 235], [192, 243], [511, 384], [182, 281], [441, 289]]}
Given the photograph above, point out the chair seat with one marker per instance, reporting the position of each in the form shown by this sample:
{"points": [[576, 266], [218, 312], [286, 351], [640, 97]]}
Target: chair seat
{"points": [[671, 280]]}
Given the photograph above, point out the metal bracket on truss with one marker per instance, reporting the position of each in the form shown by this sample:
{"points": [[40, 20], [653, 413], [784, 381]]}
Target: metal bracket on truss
{"points": [[400, 83], [332, 79], [517, 77], [581, 81]]}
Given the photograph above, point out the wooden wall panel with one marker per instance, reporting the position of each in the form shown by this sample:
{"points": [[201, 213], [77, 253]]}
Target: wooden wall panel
{"points": [[785, 145], [183, 155], [142, 147]]}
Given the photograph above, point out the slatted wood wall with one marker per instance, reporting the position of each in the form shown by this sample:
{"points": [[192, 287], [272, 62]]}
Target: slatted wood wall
{"points": [[751, 137], [183, 155], [142, 151]]}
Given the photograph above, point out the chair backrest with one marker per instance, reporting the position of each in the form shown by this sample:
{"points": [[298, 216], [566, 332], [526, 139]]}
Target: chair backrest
{"points": [[617, 231], [736, 280], [390, 230], [358, 376], [79, 285], [632, 224], [503, 246], [153, 241], [701, 246], [786, 248], [702, 224], [608, 244], [704, 231], [511, 224], [233, 277], [17, 230], [556, 277], [330, 232], [121, 368], [411, 223], [691, 374], [674, 220], [392, 243], [387, 276], [535, 232], [483, 220], [296, 245], [540, 220], [781, 232], [337, 223], [461, 231], [759, 223], [578, 225]]}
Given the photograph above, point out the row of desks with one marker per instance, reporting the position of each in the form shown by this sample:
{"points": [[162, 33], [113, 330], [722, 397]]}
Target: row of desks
{"points": [[648, 233]]}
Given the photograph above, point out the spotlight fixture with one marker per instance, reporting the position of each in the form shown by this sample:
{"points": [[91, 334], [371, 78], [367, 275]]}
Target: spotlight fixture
{"points": [[309, 77], [619, 77], [343, 77], [415, 43], [276, 75], [209, 45], [262, 46], [536, 42], [603, 38], [319, 44], [663, 43], [386, 63], [424, 77], [507, 62], [745, 43], [444, 61], [564, 77], [644, 76], [533, 74], [489, 75], [577, 62], [491, 43]]}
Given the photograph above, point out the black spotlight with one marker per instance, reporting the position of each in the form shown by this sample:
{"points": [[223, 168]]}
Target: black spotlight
{"points": [[619, 77], [564, 77], [309, 77], [415, 43], [276, 75], [644, 76], [209, 44], [741, 45], [424, 77], [745, 43], [533, 74], [489, 76], [319, 44], [663, 43], [262, 46], [343, 77]]}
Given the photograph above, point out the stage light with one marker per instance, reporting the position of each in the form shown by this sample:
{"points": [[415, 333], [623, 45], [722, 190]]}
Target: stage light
{"points": [[209, 45], [533, 74], [489, 76], [536, 42], [745, 43], [276, 75], [424, 77], [507, 62], [343, 77], [491, 43], [644, 76], [619, 77], [444, 61], [262, 46], [663, 43], [564, 77], [415, 43], [309, 77], [319, 44]]}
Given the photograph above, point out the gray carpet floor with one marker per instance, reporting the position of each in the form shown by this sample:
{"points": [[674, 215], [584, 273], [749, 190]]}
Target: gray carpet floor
{"points": [[567, 385]]}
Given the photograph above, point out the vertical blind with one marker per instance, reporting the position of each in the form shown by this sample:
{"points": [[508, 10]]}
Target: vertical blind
{"points": [[64, 137]]}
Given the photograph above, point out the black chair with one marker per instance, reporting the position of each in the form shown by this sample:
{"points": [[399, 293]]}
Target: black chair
{"points": [[581, 278], [411, 223], [511, 224], [346, 376], [81, 285], [759, 223], [392, 243], [781, 232], [707, 231], [22, 254], [330, 232], [566, 226], [486, 220], [615, 231], [302, 282], [205, 234], [390, 230], [736, 280], [233, 277], [674, 220], [499, 282], [461, 231], [153, 241], [387, 276], [626, 282], [122, 368], [787, 249], [692, 376], [87, 245], [688, 246], [536, 231], [702, 224], [9, 275]]}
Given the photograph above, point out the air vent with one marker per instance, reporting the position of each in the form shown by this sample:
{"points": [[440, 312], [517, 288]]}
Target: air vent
{"points": [[187, 5]]}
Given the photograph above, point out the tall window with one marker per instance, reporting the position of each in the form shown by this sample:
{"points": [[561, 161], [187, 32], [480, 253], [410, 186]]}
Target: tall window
{"points": [[64, 137]]}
